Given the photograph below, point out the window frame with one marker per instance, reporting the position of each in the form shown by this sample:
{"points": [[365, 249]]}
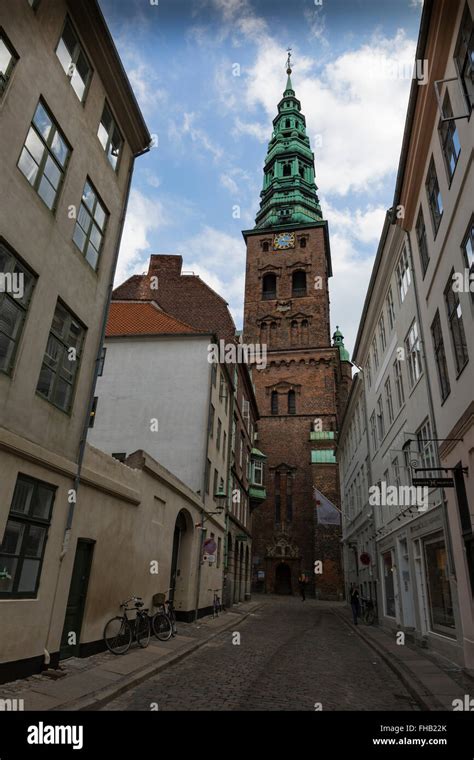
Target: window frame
{"points": [[91, 214], [469, 236], [6, 78], [459, 321], [413, 350], [431, 183], [47, 153], [78, 49], [16, 262], [71, 317], [28, 520], [422, 241], [439, 351], [113, 128]]}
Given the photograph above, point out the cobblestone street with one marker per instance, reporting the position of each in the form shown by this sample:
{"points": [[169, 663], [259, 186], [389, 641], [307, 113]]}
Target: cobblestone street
{"points": [[292, 655]]}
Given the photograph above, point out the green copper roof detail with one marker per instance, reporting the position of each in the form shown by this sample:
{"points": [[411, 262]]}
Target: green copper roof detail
{"points": [[289, 194], [338, 342]]}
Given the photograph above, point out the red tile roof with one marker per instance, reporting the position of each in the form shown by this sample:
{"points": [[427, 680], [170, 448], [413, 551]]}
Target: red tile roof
{"points": [[131, 318], [186, 297]]}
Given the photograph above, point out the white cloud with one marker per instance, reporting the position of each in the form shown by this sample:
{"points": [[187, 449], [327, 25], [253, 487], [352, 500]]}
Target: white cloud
{"points": [[144, 216], [188, 128]]}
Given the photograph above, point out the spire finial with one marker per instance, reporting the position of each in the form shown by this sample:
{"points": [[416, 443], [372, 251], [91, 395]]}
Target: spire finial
{"points": [[288, 62]]}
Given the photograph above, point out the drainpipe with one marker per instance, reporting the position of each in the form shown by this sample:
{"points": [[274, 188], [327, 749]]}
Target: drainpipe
{"points": [[82, 442]]}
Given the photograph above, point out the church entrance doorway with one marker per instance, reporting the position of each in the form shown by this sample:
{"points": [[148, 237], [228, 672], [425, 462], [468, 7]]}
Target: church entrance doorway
{"points": [[282, 579]]}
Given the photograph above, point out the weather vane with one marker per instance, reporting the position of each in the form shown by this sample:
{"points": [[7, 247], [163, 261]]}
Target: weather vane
{"points": [[288, 63]]}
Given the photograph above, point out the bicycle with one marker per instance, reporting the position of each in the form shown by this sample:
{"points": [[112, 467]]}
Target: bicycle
{"points": [[216, 603], [163, 622], [119, 632], [368, 613]]}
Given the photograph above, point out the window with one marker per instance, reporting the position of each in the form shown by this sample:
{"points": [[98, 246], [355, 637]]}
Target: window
{"points": [[433, 194], [380, 419], [456, 325], [302, 242], [16, 287], [422, 242], [397, 370], [218, 436], [90, 225], [467, 248], [100, 370], [403, 275], [242, 446], [287, 170], [375, 352], [369, 371], [382, 336], [439, 592], [93, 412], [298, 284], [389, 400], [24, 540], [74, 61], [258, 473], [265, 247], [61, 359], [110, 137], [448, 134], [464, 56], [289, 498], [291, 402], [44, 156], [390, 309], [216, 477], [396, 472], [8, 60], [373, 431], [211, 421], [268, 286], [426, 447], [440, 357], [277, 498], [412, 345], [224, 446], [274, 402], [207, 474]]}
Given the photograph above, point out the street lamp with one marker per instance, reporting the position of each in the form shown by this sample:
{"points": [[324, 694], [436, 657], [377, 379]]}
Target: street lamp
{"points": [[220, 497]]}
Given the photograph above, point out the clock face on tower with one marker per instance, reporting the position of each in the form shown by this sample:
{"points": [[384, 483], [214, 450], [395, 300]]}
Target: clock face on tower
{"points": [[283, 240]]}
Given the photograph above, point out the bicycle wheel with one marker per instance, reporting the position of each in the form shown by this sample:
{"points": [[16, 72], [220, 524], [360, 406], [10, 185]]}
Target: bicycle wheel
{"points": [[161, 626], [118, 635], [369, 617], [142, 629]]}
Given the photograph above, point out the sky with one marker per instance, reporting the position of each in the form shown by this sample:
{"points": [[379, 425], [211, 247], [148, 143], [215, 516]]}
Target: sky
{"points": [[208, 75]]}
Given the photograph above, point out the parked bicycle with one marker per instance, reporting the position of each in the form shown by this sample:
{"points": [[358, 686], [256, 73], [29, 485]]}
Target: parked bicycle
{"points": [[163, 622], [368, 611], [216, 603], [120, 631]]}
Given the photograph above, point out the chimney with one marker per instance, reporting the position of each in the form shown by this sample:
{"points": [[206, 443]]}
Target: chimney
{"points": [[167, 265]]}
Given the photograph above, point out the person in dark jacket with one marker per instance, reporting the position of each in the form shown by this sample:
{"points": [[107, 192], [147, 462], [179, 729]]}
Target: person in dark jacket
{"points": [[355, 603], [302, 581]]}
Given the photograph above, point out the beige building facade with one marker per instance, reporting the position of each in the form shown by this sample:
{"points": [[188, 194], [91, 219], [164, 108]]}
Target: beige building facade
{"points": [[71, 130]]}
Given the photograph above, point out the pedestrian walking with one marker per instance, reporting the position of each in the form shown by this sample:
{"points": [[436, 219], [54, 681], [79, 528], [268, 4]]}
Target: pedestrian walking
{"points": [[355, 603], [303, 580]]}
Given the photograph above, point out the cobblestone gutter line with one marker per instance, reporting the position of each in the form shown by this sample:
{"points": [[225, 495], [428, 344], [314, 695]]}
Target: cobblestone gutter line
{"points": [[101, 697], [424, 698]]}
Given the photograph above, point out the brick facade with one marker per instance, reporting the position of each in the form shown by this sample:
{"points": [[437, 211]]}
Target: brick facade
{"points": [[305, 376]]}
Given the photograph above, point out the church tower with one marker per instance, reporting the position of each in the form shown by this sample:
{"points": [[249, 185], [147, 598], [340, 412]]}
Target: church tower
{"points": [[303, 389]]}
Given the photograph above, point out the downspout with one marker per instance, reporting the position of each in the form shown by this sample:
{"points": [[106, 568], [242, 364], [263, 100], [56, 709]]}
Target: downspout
{"points": [[82, 442]]}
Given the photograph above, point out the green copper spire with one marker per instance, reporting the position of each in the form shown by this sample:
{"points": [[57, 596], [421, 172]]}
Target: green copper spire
{"points": [[338, 342], [289, 194]]}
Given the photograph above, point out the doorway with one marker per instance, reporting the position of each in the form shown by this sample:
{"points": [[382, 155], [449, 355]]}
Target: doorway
{"points": [[71, 636], [179, 530], [282, 579]]}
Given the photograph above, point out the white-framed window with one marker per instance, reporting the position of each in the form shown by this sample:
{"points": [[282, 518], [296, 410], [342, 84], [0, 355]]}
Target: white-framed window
{"points": [[110, 137], [382, 336], [389, 400], [390, 308], [412, 346], [397, 371], [403, 275], [74, 60]]}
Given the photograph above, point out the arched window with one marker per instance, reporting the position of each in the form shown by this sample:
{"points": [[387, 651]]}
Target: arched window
{"points": [[274, 402], [301, 170], [269, 286], [273, 329], [291, 402], [304, 332], [264, 333], [286, 170], [265, 247], [298, 284], [287, 124], [302, 242], [294, 332]]}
